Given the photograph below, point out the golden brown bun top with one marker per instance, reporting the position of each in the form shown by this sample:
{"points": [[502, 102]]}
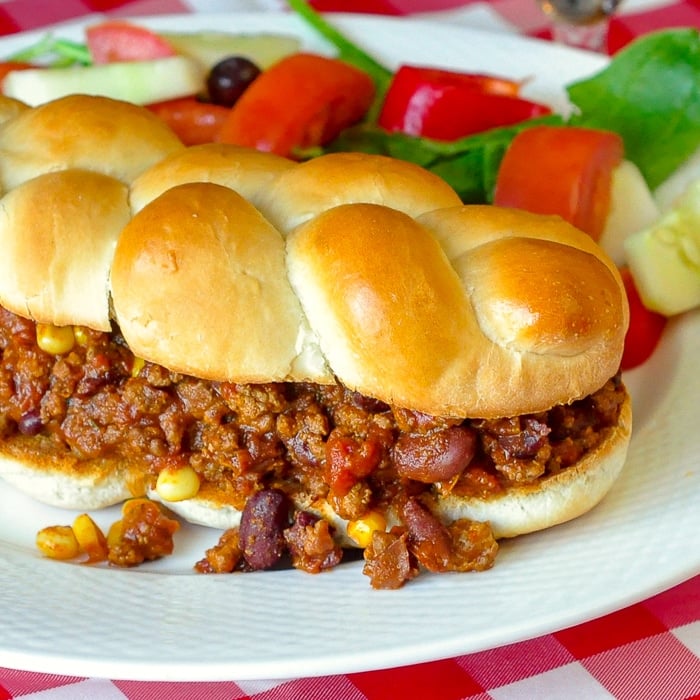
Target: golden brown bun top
{"points": [[10, 108], [344, 178], [513, 325], [199, 285], [352, 267], [57, 235], [83, 131], [245, 170], [538, 284]]}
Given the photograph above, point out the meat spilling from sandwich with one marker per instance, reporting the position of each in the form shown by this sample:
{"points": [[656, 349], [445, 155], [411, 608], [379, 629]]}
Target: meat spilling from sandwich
{"points": [[311, 443], [308, 357]]}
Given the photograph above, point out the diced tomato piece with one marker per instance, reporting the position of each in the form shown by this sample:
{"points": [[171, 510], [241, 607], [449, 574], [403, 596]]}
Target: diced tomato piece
{"points": [[193, 120], [447, 105], [561, 170], [117, 40], [645, 329], [303, 100], [348, 460]]}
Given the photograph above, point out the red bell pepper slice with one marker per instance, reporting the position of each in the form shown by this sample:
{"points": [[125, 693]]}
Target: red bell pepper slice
{"points": [[193, 120], [447, 105], [301, 101], [561, 170], [117, 40], [645, 329]]}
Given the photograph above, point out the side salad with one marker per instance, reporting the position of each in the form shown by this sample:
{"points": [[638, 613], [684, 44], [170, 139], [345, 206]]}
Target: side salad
{"points": [[633, 125]]}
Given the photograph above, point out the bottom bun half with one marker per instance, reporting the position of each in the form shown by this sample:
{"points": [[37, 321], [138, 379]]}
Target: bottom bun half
{"points": [[36, 467]]}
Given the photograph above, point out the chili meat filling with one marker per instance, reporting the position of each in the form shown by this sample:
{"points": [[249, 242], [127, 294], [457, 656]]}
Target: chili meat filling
{"points": [[302, 440]]}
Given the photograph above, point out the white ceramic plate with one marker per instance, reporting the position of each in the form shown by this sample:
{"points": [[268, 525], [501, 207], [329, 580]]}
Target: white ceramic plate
{"points": [[164, 622]]}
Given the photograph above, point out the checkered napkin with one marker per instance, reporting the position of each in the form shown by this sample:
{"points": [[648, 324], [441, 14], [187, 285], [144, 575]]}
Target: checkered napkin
{"points": [[649, 651]]}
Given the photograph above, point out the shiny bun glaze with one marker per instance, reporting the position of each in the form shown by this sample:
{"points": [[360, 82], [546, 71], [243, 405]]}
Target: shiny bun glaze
{"points": [[239, 266], [107, 136], [55, 268]]}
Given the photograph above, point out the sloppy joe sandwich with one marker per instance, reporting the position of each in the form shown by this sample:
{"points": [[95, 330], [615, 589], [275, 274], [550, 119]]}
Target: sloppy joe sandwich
{"points": [[318, 355]]}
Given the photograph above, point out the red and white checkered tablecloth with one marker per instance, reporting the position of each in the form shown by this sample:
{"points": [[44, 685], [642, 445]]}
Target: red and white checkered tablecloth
{"points": [[648, 651], [522, 16]]}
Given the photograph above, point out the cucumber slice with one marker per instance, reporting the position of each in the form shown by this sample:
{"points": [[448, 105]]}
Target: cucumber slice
{"points": [[632, 208], [668, 191], [210, 47], [140, 82], [665, 258]]}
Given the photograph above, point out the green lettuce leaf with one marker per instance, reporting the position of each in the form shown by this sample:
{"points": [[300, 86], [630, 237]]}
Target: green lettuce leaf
{"points": [[650, 95]]}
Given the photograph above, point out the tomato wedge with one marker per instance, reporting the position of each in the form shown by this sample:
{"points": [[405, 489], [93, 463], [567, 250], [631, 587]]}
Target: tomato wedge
{"points": [[303, 100], [561, 170], [645, 329], [447, 105], [193, 120], [117, 40]]}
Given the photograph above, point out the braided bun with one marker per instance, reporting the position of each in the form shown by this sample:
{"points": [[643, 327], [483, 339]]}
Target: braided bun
{"points": [[464, 311]]}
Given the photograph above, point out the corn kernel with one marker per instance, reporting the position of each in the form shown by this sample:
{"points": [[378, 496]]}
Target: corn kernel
{"points": [[90, 538], [360, 530], [114, 534], [81, 335], [58, 542], [137, 366], [177, 484], [131, 503], [55, 340]]}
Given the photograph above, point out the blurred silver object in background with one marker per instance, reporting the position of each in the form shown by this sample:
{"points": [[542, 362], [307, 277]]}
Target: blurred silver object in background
{"points": [[580, 23]]}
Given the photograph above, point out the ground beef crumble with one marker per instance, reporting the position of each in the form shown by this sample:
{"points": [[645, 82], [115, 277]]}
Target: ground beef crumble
{"points": [[303, 441]]}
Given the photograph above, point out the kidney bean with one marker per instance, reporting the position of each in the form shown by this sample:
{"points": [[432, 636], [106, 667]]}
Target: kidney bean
{"points": [[30, 422], [305, 519], [435, 456], [261, 532], [428, 538], [90, 385]]}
